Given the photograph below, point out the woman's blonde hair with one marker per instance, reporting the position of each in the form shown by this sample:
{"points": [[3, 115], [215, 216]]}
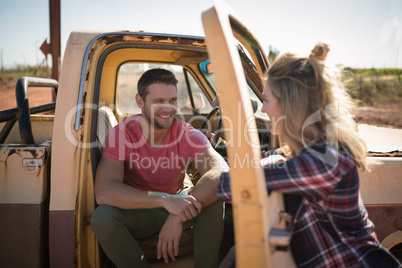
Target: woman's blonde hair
{"points": [[314, 103]]}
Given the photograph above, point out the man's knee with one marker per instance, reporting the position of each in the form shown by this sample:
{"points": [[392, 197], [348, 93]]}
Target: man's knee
{"points": [[213, 215], [216, 208], [104, 217]]}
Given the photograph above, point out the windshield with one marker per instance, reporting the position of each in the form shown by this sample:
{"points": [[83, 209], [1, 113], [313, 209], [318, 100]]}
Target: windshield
{"points": [[207, 70]]}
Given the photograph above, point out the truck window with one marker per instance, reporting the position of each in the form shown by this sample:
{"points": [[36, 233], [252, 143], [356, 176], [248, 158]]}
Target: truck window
{"points": [[127, 79]]}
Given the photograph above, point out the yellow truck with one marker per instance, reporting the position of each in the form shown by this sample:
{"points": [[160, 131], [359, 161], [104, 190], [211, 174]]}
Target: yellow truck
{"points": [[48, 161]]}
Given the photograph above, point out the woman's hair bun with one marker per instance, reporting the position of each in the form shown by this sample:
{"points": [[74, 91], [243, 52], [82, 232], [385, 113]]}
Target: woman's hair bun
{"points": [[320, 51]]}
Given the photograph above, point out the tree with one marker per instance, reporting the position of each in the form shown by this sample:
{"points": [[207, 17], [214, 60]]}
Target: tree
{"points": [[273, 54]]}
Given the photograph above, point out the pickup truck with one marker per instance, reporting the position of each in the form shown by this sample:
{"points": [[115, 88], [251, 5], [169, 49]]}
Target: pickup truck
{"points": [[48, 161]]}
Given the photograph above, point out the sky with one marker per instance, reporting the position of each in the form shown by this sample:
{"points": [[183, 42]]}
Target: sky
{"points": [[361, 33]]}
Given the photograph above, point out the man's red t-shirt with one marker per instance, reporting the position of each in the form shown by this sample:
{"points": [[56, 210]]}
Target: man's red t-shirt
{"points": [[150, 169]]}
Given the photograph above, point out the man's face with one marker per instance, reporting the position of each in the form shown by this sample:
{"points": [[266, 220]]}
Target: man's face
{"points": [[160, 105]]}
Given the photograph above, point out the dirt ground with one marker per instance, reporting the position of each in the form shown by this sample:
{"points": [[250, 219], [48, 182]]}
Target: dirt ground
{"points": [[384, 113], [380, 113], [36, 96]]}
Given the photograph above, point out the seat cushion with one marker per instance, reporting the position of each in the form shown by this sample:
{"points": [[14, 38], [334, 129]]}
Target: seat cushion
{"points": [[106, 121]]}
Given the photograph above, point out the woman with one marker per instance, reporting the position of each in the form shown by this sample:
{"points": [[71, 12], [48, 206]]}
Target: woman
{"points": [[310, 109]]}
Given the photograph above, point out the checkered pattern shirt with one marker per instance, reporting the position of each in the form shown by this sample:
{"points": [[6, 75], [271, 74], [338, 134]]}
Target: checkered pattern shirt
{"points": [[332, 228]]}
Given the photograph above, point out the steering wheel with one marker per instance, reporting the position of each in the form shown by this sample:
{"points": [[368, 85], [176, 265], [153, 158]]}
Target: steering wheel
{"points": [[191, 171], [213, 137]]}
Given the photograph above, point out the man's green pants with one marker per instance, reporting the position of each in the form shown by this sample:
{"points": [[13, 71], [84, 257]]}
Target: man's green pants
{"points": [[117, 231]]}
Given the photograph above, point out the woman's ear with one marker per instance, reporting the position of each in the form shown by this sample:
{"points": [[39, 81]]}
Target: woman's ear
{"points": [[139, 100]]}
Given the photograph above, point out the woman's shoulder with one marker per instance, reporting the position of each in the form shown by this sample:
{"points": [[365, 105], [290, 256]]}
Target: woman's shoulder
{"points": [[333, 155]]}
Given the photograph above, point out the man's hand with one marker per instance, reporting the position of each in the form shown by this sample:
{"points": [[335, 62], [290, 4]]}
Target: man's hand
{"points": [[183, 205], [169, 238]]}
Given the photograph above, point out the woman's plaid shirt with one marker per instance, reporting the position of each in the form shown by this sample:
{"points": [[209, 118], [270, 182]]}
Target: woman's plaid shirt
{"points": [[332, 228]]}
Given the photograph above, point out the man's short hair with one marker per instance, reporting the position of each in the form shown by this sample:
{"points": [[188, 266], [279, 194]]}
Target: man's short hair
{"points": [[153, 76]]}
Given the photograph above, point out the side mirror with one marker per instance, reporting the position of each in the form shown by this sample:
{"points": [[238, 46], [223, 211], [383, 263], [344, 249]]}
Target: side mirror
{"points": [[254, 103], [210, 70], [206, 67]]}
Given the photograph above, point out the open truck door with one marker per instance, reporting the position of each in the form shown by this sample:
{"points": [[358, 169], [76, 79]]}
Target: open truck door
{"points": [[259, 224]]}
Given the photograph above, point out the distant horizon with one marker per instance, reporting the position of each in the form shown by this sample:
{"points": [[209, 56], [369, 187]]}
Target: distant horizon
{"points": [[362, 33], [49, 65]]}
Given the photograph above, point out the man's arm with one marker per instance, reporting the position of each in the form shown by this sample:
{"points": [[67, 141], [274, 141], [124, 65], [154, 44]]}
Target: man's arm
{"points": [[110, 190], [210, 164]]}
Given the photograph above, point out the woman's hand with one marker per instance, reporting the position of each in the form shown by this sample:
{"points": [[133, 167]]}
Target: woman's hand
{"points": [[272, 160]]}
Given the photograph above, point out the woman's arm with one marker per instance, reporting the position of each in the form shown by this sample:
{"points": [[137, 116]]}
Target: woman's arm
{"points": [[313, 173]]}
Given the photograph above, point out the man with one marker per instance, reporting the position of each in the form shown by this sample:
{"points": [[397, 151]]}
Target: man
{"points": [[139, 181]]}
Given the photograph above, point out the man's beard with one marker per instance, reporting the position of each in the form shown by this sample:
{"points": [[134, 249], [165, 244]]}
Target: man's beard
{"points": [[153, 120]]}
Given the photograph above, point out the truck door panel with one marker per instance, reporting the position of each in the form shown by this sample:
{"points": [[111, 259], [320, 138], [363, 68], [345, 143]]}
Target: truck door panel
{"points": [[24, 205]]}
